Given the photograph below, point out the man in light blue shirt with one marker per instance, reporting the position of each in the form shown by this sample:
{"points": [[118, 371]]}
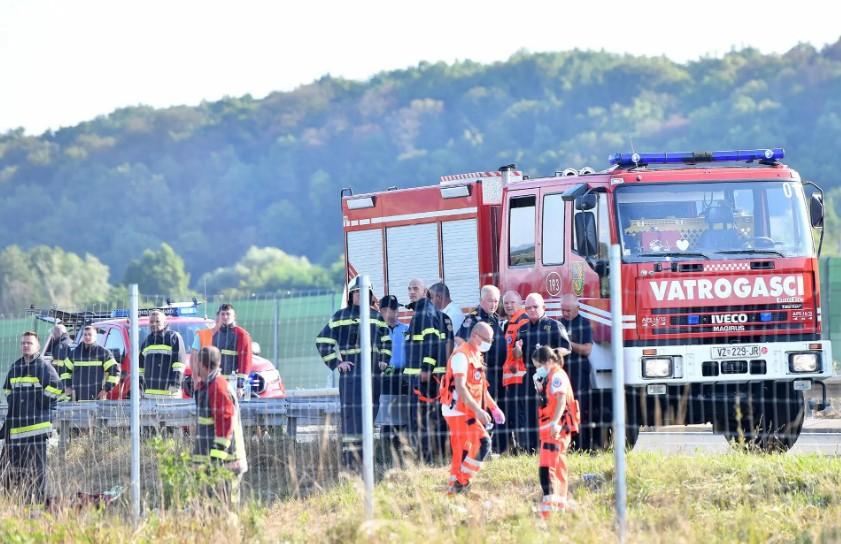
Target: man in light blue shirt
{"points": [[389, 308], [393, 412]]}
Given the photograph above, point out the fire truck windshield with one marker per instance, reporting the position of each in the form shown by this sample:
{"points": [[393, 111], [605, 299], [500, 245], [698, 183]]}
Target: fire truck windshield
{"points": [[724, 220]]}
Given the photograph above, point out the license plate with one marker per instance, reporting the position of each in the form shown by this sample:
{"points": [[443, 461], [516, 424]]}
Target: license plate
{"points": [[735, 352]]}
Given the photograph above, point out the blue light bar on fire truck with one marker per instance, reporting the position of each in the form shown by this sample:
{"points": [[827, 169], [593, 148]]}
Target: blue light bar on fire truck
{"points": [[765, 156]]}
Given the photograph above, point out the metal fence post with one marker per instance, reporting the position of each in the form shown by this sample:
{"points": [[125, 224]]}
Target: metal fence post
{"points": [[367, 394], [276, 332], [617, 346], [135, 404]]}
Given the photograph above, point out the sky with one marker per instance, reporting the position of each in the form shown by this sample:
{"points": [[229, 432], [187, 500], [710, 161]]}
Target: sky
{"points": [[63, 61]]}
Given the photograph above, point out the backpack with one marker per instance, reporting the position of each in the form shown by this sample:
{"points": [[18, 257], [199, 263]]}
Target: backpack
{"points": [[446, 388], [571, 420]]}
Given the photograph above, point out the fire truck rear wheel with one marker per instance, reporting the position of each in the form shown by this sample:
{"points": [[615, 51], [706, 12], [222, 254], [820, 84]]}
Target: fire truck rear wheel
{"points": [[768, 418]]}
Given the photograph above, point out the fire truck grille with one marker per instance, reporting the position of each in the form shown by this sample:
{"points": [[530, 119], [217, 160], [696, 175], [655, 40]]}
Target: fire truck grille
{"points": [[757, 318], [714, 368]]}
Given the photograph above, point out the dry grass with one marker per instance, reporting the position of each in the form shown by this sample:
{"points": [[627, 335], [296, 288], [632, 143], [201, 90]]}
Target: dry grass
{"points": [[672, 499]]}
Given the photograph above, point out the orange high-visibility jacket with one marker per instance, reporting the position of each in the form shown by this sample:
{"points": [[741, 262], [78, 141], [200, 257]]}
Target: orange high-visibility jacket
{"points": [[514, 369], [205, 337], [475, 380]]}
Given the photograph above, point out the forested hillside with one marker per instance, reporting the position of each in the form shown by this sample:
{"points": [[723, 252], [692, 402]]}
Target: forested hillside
{"points": [[216, 179]]}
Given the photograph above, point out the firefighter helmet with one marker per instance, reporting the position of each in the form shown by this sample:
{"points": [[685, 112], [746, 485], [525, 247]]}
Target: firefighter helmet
{"points": [[354, 285]]}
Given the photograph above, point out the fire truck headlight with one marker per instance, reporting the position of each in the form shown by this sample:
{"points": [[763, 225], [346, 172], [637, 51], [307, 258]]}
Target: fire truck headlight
{"points": [[803, 362], [657, 367]]}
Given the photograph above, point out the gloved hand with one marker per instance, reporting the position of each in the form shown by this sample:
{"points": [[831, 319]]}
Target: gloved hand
{"points": [[499, 417], [539, 377]]}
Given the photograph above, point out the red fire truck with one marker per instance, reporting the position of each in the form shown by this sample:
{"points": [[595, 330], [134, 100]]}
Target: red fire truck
{"points": [[721, 312]]}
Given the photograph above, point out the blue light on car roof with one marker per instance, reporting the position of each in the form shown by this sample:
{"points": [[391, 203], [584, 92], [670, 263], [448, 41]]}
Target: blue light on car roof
{"points": [[640, 159], [693, 319], [766, 316]]}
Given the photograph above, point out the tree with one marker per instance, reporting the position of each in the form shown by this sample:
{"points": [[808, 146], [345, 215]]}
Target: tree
{"points": [[159, 272], [264, 270], [239, 172], [49, 276]]}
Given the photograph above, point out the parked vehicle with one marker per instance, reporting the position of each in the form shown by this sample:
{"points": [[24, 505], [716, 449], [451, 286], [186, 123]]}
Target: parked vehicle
{"points": [[112, 330], [725, 332]]}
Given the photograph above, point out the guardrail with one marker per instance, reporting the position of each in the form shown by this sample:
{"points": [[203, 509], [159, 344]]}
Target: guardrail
{"points": [[310, 406]]}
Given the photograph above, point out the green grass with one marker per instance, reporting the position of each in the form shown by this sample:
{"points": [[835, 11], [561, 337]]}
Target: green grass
{"points": [[671, 499]]}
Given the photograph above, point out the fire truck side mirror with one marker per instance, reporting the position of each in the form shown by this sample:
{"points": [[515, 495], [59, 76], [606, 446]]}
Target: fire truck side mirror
{"points": [[816, 210], [586, 202], [586, 238]]}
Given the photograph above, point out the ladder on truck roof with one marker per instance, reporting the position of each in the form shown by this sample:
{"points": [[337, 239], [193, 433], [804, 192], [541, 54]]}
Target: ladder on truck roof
{"points": [[492, 183], [76, 320]]}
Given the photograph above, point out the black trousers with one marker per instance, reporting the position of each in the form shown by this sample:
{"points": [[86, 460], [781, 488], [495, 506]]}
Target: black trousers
{"points": [[521, 418], [428, 431], [24, 468], [500, 436]]}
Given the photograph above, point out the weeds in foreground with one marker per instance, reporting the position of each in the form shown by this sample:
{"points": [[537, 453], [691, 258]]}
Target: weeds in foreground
{"points": [[736, 497]]}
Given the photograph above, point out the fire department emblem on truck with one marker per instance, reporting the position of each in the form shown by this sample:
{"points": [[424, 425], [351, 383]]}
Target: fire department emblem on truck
{"points": [[578, 278]]}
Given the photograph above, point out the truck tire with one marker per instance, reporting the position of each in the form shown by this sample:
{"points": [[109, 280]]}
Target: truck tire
{"points": [[768, 419]]}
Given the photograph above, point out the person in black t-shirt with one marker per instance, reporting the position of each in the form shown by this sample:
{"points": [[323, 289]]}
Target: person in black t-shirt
{"points": [[581, 344]]}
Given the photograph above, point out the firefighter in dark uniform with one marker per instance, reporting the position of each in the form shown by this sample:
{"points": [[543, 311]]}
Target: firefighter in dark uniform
{"points": [[429, 342], [60, 347], [495, 357], [162, 359], [234, 343], [32, 389], [90, 371], [539, 331], [338, 345]]}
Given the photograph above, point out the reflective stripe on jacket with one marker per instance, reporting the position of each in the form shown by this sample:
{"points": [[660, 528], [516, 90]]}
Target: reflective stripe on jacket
{"points": [[219, 436], [32, 391], [339, 339], [514, 369], [89, 369], [162, 360]]}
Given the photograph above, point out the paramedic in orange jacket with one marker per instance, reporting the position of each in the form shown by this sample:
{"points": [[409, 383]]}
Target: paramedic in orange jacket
{"points": [[557, 419], [468, 408]]}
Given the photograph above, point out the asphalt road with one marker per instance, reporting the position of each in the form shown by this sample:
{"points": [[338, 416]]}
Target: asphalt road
{"points": [[705, 442]]}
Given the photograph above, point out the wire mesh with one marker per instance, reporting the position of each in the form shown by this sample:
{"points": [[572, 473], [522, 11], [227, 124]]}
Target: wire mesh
{"points": [[294, 420]]}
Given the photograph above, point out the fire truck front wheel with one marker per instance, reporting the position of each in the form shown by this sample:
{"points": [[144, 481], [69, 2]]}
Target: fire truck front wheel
{"points": [[767, 417]]}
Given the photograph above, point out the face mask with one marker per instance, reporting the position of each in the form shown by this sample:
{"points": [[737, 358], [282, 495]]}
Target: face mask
{"points": [[484, 346]]}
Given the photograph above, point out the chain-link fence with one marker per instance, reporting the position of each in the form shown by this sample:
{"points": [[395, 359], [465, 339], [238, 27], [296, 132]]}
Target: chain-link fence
{"points": [[300, 420]]}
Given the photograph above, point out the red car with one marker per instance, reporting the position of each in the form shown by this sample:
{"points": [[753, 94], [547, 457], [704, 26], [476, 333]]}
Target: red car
{"points": [[114, 335]]}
